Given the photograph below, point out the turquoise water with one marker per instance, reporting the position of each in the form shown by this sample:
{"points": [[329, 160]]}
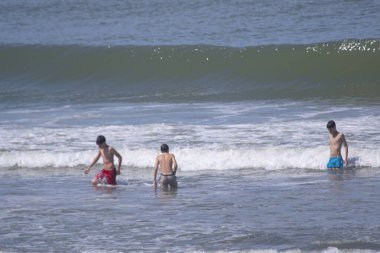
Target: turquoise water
{"points": [[345, 69]]}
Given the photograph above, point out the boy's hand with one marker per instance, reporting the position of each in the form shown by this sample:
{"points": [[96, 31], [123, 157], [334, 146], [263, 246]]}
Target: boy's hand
{"points": [[118, 172], [86, 170]]}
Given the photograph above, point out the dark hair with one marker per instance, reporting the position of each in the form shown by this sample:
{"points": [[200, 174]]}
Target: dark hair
{"points": [[164, 148], [331, 124], [100, 140]]}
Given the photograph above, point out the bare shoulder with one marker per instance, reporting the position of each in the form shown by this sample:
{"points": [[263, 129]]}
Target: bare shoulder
{"points": [[343, 137], [172, 157], [112, 150]]}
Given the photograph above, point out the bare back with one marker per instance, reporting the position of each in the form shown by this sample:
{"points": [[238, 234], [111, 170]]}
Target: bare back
{"points": [[107, 156], [167, 163]]}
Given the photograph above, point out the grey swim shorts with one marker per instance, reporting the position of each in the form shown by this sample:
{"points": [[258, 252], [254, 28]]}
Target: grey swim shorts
{"points": [[168, 180]]}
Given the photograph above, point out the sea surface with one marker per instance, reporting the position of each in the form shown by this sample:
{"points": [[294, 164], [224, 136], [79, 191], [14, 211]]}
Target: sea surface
{"points": [[241, 91]]}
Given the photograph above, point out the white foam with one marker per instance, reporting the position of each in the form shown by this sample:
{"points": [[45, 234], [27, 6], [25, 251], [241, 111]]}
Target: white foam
{"points": [[272, 137], [222, 136], [199, 158]]}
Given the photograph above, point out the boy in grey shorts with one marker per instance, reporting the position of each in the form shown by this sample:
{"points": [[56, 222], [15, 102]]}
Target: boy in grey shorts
{"points": [[168, 168]]}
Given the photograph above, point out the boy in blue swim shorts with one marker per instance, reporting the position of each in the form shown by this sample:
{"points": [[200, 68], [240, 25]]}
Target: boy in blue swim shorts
{"points": [[335, 162], [336, 141]]}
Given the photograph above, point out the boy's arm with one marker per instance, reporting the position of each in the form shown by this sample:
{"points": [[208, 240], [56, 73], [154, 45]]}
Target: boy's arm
{"points": [[175, 166], [155, 171], [93, 163], [120, 158], [345, 149]]}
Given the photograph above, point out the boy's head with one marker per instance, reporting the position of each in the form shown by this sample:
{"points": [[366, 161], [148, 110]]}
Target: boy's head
{"points": [[164, 148], [331, 126], [100, 140]]}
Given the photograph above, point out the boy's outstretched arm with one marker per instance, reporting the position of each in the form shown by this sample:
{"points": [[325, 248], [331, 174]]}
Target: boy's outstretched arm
{"points": [[93, 163]]}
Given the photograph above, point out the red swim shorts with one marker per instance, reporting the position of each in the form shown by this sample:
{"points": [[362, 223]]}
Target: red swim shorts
{"points": [[109, 176]]}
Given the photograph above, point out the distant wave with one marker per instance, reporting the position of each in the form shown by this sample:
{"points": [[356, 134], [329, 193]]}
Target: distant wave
{"points": [[199, 159], [339, 69], [328, 249]]}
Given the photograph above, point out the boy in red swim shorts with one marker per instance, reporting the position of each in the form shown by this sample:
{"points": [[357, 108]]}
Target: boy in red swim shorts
{"points": [[108, 173]]}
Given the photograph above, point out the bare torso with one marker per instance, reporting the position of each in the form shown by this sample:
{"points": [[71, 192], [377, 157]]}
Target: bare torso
{"points": [[107, 156], [336, 141], [165, 161]]}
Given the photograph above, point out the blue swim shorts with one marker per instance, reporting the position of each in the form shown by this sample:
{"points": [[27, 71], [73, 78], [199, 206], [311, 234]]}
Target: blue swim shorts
{"points": [[335, 163]]}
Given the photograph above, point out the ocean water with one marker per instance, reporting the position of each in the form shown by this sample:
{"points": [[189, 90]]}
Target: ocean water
{"points": [[241, 91]]}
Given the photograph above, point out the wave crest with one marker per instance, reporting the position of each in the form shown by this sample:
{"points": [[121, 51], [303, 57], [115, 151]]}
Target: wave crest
{"points": [[337, 69], [200, 159]]}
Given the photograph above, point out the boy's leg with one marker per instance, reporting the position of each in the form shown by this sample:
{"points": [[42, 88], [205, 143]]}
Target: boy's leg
{"points": [[94, 181], [164, 181], [172, 180], [98, 178]]}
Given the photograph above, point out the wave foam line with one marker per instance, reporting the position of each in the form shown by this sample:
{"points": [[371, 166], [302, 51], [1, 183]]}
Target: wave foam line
{"points": [[199, 159]]}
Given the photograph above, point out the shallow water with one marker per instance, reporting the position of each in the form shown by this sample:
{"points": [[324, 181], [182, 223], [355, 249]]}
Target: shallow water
{"points": [[210, 211]]}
